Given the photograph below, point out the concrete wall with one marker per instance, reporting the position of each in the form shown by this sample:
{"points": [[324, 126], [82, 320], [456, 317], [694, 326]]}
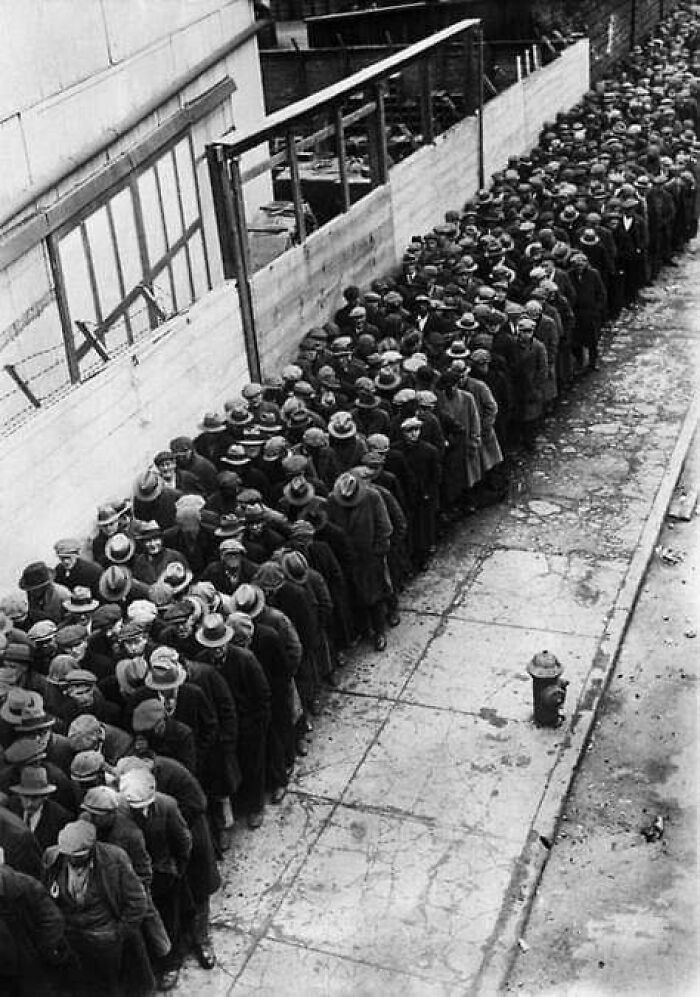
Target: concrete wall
{"points": [[78, 69], [73, 73], [88, 447]]}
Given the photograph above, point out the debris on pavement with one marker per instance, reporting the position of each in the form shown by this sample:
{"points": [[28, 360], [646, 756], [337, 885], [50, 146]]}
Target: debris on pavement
{"points": [[655, 830], [683, 507], [670, 556], [690, 632], [522, 945]]}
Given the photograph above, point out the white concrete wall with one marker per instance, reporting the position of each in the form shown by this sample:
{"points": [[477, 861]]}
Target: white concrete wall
{"points": [[88, 448], [78, 69]]}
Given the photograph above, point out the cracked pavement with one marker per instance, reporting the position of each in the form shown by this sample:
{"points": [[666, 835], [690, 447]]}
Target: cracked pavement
{"points": [[388, 867]]}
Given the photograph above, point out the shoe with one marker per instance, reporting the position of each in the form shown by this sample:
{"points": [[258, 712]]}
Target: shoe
{"points": [[255, 820], [379, 642], [168, 980], [393, 619], [277, 795], [224, 839], [205, 955], [314, 708]]}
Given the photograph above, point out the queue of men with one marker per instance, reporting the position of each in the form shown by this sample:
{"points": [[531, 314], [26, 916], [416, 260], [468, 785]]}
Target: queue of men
{"points": [[161, 681]]}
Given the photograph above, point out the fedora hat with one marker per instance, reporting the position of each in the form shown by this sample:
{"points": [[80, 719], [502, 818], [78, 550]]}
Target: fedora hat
{"points": [[342, 426], [148, 486], [589, 238], [298, 491], [294, 566], [348, 490], [275, 448], [249, 599], [230, 526], [458, 350], [80, 601], [269, 424], [165, 672], [212, 423], [387, 380], [235, 456], [33, 781], [115, 583], [150, 530], [35, 576], [214, 632], [177, 577], [120, 548], [269, 576], [238, 414], [106, 514]]}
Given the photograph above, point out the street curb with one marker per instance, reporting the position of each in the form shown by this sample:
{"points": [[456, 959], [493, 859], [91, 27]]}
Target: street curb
{"points": [[503, 949]]}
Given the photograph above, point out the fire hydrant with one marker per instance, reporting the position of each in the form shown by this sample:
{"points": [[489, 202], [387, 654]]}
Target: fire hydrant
{"points": [[548, 689]]}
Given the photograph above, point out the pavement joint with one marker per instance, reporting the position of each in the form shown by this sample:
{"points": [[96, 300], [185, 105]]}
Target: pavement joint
{"points": [[500, 950]]}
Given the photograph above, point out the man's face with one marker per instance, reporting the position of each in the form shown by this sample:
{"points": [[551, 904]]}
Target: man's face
{"points": [[104, 821], [135, 646], [231, 560], [167, 468], [77, 651], [411, 435], [31, 804], [68, 560], [82, 695], [183, 628], [153, 546], [41, 739]]}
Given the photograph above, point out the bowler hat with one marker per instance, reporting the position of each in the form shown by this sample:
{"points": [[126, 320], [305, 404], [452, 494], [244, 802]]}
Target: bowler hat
{"points": [[35, 576]]}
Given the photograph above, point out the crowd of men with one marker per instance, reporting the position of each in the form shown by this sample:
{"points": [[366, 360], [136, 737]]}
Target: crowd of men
{"points": [[163, 681]]}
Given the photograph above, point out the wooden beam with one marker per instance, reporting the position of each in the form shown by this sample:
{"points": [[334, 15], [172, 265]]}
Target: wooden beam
{"points": [[296, 187], [342, 158], [308, 141], [426, 102], [283, 119], [22, 385]]}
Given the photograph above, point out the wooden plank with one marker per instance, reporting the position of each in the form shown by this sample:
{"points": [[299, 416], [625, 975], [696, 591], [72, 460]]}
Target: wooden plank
{"points": [[426, 102], [296, 187], [308, 142], [342, 158]]}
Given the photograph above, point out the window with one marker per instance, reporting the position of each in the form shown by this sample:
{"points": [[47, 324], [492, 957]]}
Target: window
{"points": [[131, 259]]}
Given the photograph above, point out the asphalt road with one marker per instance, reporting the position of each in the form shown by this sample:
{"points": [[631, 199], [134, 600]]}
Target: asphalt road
{"points": [[615, 913]]}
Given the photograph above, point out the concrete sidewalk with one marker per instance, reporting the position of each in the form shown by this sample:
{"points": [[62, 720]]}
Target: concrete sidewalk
{"points": [[407, 850]]}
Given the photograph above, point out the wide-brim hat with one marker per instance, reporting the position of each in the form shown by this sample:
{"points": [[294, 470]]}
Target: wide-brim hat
{"points": [[348, 490], [120, 548], [148, 486], [212, 423], [342, 426], [366, 400], [214, 632], [177, 577], [298, 491], [115, 583], [166, 675], [249, 599], [80, 601], [387, 380], [35, 576], [33, 781]]}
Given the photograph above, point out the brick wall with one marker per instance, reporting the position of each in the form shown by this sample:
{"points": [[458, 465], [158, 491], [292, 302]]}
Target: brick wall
{"points": [[612, 25]]}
